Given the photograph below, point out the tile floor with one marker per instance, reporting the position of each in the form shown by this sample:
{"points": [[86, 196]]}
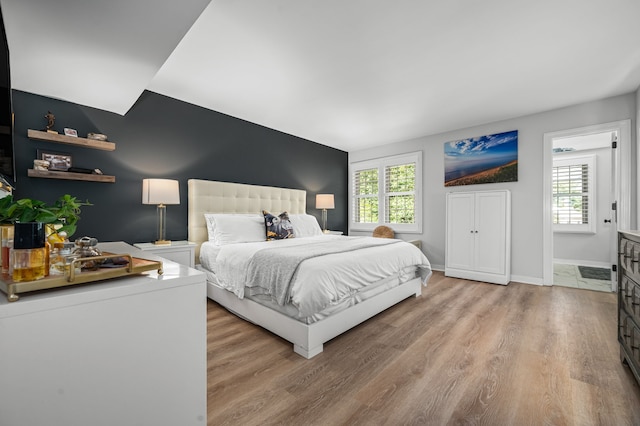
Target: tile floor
{"points": [[569, 276]]}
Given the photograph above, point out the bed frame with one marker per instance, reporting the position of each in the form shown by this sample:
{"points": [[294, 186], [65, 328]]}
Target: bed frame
{"points": [[308, 339]]}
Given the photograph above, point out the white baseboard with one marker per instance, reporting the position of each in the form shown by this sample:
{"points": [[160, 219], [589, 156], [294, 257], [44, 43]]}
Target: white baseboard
{"points": [[592, 263], [527, 280], [437, 267], [515, 278]]}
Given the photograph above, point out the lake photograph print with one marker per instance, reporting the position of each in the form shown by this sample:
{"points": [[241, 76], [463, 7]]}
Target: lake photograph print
{"points": [[482, 159]]}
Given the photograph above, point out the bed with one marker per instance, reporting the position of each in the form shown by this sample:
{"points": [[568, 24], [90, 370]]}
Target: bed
{"points": [[271, 301]]}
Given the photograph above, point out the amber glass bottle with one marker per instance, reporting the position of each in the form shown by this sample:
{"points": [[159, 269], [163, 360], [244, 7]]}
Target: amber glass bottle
{"points": [[28, 252], [6, 234]]}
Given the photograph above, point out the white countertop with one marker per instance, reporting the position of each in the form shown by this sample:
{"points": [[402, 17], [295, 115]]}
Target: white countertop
{"points": [[173, 275]]}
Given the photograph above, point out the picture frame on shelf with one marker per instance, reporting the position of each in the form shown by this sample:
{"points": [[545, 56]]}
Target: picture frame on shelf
{"points": [[71, 132], [58, 161]]}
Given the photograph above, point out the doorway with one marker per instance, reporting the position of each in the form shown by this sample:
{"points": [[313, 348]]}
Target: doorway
{"points": [[580, 239], [582, 210]]}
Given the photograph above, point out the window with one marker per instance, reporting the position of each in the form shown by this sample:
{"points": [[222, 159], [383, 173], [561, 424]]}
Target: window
{"points": [[574, 194], [365, 183], [386, 191]]}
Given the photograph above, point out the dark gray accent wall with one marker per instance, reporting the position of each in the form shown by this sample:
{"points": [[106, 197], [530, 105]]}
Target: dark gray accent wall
{"points": [[161, 137]]}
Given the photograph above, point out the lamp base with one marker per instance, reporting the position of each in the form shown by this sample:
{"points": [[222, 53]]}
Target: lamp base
{"points": [[162, 243], [324, 220]]}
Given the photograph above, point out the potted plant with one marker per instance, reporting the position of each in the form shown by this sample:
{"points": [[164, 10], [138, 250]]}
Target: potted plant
{"points": [[65, 212], [62, 215], [61, 218]]}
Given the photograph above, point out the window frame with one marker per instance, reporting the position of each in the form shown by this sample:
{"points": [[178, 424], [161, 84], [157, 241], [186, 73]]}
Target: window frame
{"points": [[563, 160], [381, 165]]}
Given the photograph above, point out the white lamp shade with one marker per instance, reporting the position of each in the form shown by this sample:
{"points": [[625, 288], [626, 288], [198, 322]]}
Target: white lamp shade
{"points": [[324, 201], [160, 191]]}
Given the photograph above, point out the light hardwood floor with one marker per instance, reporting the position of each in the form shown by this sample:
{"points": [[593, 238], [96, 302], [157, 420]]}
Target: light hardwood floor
{"points": [[462, 353]]}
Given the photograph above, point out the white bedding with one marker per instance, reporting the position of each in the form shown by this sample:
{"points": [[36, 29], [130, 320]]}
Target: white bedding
{"points": [[322, 281], [363, 294]]}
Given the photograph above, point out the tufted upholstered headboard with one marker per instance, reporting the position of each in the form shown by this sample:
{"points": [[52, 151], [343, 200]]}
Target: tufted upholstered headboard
{"points": [[206, 196]]}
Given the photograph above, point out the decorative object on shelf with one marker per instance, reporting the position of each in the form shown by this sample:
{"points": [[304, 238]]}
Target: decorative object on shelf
{"points": [[60, 161], [86, 248], [161, 192], [324, 202], [97, 136], [40, 165], [71, 132], [51, 120], [80, 170], [5, 187]]}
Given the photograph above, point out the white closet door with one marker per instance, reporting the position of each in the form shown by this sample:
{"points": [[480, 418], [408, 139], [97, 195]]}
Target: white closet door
{"points": [[490, 242], [460, 231]]}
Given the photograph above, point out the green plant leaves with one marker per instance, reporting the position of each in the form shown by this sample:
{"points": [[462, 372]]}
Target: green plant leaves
{"points": [[65, 211]]}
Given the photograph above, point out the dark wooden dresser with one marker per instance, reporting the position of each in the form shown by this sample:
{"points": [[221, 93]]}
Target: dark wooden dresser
{"points": [[629, 299]]}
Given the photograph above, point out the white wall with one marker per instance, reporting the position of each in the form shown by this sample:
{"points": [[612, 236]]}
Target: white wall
{"points": [[591, 249], [527, 193], [637, 151]]}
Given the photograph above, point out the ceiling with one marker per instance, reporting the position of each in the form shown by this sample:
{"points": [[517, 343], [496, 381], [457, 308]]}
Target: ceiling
{"points": [[346, 74]]}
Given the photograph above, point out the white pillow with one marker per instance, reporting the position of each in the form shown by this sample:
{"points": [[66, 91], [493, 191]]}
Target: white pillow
{"points": [[235, 228], [305, 225]]}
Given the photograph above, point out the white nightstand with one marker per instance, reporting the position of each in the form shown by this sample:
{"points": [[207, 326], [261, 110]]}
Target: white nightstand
{"points": [[417, 243], [182, 252]]}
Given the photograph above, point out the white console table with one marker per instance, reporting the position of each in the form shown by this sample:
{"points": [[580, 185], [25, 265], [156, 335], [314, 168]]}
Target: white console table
{"points": [[125, 351]]}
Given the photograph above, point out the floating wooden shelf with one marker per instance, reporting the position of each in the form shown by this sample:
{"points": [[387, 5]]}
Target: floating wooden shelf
{"points": [[48, 174], [70, 140]]}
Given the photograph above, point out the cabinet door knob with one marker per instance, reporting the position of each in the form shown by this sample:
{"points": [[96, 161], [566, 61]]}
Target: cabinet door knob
{"points": [[607, 221]]}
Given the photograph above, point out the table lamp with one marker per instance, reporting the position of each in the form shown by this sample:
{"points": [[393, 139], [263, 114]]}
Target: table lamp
{"points": [[324, 202], [161, 192]]}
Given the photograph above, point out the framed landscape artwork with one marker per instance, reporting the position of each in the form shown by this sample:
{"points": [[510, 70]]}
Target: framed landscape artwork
{"points": [[483, 159]]}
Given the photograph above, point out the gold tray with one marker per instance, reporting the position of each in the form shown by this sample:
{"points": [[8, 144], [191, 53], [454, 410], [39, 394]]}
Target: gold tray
{"points": [[135, 266]]}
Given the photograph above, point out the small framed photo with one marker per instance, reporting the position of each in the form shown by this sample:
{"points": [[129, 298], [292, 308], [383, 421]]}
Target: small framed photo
{"points": [[58, 161], [71, 132]]}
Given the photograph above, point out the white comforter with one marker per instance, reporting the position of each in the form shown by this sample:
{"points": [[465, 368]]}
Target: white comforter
{"points": [[320, 281]]}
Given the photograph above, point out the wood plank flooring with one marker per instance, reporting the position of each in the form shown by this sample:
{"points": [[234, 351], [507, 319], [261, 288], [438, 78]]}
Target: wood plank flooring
{"points": [[462, 353]]}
